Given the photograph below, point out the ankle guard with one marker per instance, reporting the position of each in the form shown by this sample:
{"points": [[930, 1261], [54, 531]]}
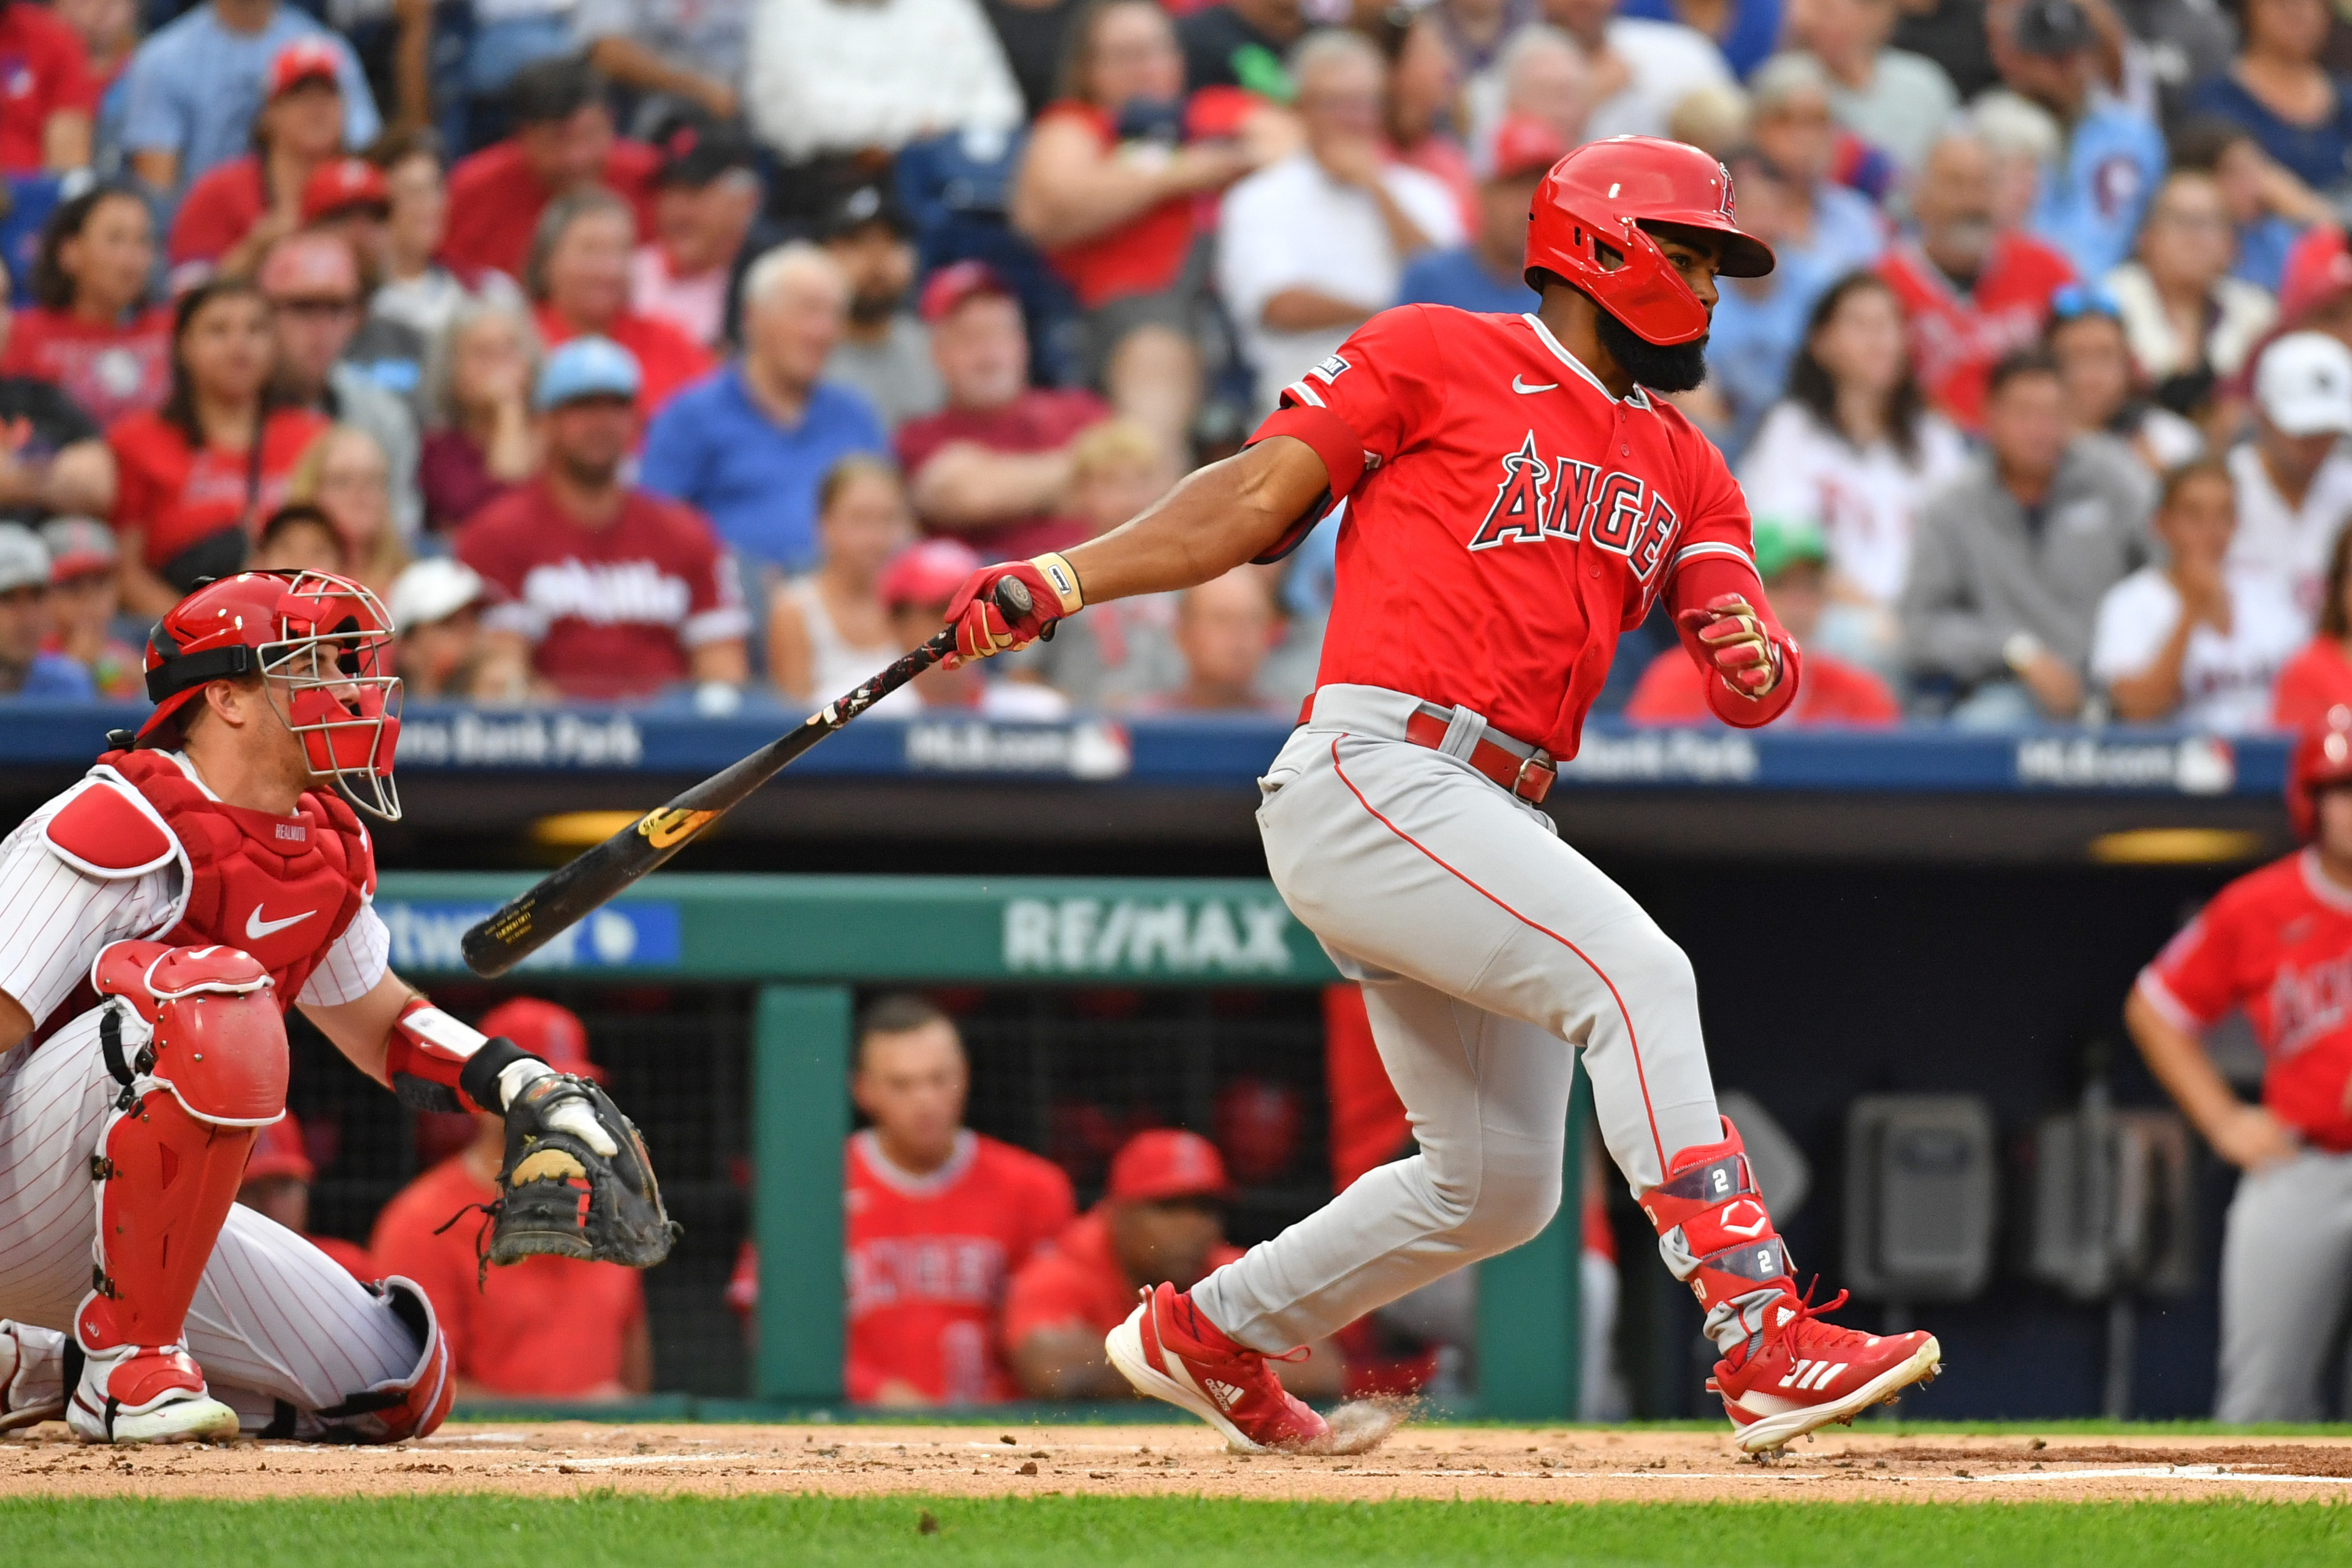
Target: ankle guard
{"points": [[1713, 1231]]}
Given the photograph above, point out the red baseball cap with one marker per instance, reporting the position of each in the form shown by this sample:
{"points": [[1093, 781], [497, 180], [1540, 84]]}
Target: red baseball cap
{"points": [[305, 59], [927, 573], [1524, 146], [343, 184], [552, 1033], [950, 286], [278, 1151], [1167, 1163]]}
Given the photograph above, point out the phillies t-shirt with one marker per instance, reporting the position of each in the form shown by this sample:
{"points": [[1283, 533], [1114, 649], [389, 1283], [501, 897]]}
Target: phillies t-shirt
{"points": [[44, 69], [219, 210], [1037, 421], [111, 370], [1076, 1282], [927, 1262], [495, 203], [175, 494], [610, 612], [2278, 943], [1672, 690], [1957, 338]]}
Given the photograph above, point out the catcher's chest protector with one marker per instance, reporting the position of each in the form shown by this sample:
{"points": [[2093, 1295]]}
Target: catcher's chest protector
{"points": [[282, 889]]}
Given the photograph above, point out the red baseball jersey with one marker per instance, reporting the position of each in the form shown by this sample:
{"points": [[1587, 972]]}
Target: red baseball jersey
{"points": [[927, 1261], [1507, 518], [1078, 1283], [1672, 690], [2278, 943], [1955, 338]]}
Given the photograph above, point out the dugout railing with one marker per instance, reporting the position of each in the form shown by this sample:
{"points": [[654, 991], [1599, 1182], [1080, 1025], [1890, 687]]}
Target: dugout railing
{"points": [[723, 1005]]}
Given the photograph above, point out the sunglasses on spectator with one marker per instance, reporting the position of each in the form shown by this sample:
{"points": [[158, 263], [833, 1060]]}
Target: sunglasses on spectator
{"points": [[2077, 300], [317, 305]]}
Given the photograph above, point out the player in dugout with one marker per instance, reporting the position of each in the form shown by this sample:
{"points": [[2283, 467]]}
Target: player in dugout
{"points": [[1161, 1221], [278, 1179]]}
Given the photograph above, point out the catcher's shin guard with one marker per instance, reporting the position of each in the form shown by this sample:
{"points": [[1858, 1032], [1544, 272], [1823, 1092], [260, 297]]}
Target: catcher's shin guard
{"points": [[1716, 1236], [410, 1406], [200, 1052]]}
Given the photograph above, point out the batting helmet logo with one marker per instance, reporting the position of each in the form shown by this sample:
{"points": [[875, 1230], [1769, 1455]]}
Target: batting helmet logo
{"points": [[2322, 761]]}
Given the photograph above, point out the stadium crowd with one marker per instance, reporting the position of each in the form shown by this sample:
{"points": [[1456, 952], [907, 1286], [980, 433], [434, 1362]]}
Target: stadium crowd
{"points": [[692, 350]]}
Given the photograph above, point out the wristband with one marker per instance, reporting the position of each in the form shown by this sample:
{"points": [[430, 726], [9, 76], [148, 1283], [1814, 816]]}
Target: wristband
{"points": [[1062, 578]]}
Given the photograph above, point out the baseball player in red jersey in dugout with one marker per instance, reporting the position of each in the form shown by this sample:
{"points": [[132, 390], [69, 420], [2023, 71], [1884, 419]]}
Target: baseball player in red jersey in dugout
{"points": [[277, 1177], [156, 921], [1515, 497], [2276, 944]]}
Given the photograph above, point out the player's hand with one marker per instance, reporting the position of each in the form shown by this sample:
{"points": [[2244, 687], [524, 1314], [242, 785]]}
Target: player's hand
{"points": [[2250, 1138], [982, 625], [1727, 628]]}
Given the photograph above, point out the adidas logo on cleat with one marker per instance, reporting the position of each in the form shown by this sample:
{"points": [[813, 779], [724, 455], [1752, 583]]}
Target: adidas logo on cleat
{"points": [[1224, 1394], [1814, 1374]]}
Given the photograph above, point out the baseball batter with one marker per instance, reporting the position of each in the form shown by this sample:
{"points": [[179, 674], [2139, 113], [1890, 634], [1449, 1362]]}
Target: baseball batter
{"points": [[1514, 498], [2278, 943], [155, 920]]}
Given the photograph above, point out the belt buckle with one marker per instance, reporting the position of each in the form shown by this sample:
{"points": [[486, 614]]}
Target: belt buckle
{"points": [[1545, 773]]}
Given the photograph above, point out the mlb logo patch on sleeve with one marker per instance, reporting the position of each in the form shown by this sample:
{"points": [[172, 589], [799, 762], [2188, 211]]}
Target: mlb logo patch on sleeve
{"points": [[1329, 369]]}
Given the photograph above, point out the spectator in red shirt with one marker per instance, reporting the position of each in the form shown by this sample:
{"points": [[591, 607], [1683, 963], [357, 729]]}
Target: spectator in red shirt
{"points": [[578, 277], [1793, 560], [480, 443], [993, 466], [563, 142], [47, 98], [84, 591], [195, 476], [109, 31], [1161, 1218], [277, 1178], [914, 588], [1971, 291], [707, 195], [607, 591], [2316, 684], [234, 212], [91, 330], [547, 1326]]}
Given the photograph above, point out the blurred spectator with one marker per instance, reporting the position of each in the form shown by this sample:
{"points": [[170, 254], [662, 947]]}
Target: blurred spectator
{"points": [[578, 277], [2279, 90], [1312, 244], [478, 382], [1792, 561], [1641, 68], [547, 1326], [196, 475], [197, 86], [1242, 43], [26, 669], [1892, 100], [1971, 291], [504, 39], [749, 446], [419, 290], [1831, 224], [349, 200], [2024, 140], [51, 101], [605, 591], [108, 32], [1487, 274], [51, 459], [2010, 558], [1424, 97], [884, 353], [1224, 630], [706, 194], [1476, 31], [1854, 448], [2092, 198], [1111, 189], [1036, 37], [993, 466], [435, 606], [1952, 33], [299, 537], [914, 588], [940, 1217], [2104, 392], [1712, 119], [683, 51], [1162, 1219], [1541, 74], [1759, 322], [312, 284], [2268, 208], [91, 330], [829, 629], [277, 1186], [562, 144], [2294, 478], [346, 474], [824, 78], [2194, 642], [1747, 31], [83, 596], [238, 209], [2317, 681], [2188, 322]]}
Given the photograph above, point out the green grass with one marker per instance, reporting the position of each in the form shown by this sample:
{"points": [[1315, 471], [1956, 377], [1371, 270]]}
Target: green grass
{"points": [[634, 1531]]}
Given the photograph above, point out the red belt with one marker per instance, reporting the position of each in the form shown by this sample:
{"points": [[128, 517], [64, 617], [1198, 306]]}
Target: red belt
{"points": [[1531, 777]]}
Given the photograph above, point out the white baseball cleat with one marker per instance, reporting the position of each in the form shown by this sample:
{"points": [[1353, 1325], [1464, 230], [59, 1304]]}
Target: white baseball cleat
{"points": [[146, 1393]]}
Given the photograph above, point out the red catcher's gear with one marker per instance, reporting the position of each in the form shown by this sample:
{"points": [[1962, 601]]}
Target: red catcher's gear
{"points": [[1602, 195], [409, 1406], [2322, 759], [322, 643]]}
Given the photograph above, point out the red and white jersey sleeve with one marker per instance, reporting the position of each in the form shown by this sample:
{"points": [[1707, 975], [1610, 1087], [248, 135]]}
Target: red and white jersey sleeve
{"points": [[55, 916], [353, 965]]}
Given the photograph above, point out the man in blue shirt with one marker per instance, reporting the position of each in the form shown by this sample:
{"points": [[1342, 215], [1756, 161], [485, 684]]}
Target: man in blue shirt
{"points": [[751, 444], [25, 671], [1485, 273], [195, 88], [1759, 322], [2092, 198]]}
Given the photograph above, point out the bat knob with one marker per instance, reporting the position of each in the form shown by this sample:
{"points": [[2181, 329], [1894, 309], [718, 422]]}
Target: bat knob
{"points": [[1012, 596]]}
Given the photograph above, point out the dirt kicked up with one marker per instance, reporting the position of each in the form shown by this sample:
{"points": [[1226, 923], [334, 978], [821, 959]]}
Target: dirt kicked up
{"points": [[1536, 1464]]}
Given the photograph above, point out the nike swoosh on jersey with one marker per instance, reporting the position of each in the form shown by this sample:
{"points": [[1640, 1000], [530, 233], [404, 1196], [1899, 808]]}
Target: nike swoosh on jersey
{"points": [[256, 928], [1518, 385]]}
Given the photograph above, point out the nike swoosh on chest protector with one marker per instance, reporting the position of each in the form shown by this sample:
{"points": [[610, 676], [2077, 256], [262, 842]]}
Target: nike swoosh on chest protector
{"points": [[256, 928]]}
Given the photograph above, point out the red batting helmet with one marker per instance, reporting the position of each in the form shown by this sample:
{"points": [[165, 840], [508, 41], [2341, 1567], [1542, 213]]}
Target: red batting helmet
{"points": [[322, 644], [1603, 195], [2322, 760]]}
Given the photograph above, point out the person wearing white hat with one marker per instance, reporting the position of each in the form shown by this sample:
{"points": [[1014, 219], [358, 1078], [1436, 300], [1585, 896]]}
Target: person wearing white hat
{"points": [[25, 669], [2295, 476], [435, 609]]}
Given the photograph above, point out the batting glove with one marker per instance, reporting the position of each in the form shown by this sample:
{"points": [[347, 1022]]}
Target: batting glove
{"points": [[981, 626], [1741, 651]]}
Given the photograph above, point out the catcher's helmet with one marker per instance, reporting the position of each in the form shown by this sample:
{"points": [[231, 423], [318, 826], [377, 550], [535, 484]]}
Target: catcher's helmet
{"points": [[322, 644], [1601, 194], [2322, 760]]}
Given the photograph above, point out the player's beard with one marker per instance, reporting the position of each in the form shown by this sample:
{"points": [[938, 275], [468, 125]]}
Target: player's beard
{"points": [[1661, 369]]}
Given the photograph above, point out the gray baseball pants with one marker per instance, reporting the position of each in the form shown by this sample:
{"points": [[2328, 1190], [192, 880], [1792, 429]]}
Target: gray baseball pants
{"points": [[1489, 952], [2287, 1281]]}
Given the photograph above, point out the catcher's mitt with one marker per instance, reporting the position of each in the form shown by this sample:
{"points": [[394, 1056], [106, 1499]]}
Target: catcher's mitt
{"points": [[558, 1195]]}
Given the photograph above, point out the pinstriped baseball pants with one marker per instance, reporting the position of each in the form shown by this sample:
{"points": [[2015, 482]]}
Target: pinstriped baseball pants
{"points": [[274, 1318], [1490, 952]]}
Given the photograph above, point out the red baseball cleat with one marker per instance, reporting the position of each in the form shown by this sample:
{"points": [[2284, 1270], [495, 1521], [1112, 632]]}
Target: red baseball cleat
{"points": [[1802, 1372], [1169, 1350]]}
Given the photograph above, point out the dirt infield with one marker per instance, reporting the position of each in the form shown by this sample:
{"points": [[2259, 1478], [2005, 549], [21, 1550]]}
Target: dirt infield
{"points": [[1540, 1464]]}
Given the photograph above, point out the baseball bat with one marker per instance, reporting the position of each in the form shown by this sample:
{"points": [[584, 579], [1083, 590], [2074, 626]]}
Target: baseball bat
{"points": [[528, 921]]}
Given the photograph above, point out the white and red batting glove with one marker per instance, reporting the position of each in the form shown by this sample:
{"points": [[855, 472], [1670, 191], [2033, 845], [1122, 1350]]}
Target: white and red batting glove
{"points": [[1742, 651], [981, 626]]}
